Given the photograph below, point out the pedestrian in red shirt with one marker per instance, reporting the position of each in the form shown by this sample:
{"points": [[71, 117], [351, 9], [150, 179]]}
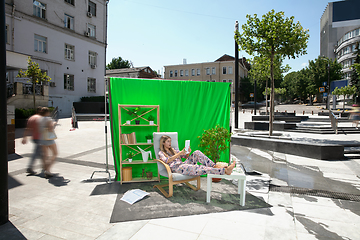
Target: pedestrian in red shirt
{"points": [[32, 128]]}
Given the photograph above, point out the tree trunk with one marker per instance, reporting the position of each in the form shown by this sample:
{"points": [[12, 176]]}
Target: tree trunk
{"points": [[34, 95], [343, 103], [266, 94], [272, 94]]}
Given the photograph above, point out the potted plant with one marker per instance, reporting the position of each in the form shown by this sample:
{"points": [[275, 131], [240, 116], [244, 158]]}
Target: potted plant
{"points": [[151, 119], [130, 155], [149, 138], [135, 112], [215, 141]]}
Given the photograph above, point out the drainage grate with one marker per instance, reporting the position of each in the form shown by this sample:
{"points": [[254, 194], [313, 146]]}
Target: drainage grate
{"points": [[314, 192]]}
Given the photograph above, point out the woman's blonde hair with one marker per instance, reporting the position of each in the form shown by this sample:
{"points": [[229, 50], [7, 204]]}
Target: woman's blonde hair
{"points": [[162, 141]]}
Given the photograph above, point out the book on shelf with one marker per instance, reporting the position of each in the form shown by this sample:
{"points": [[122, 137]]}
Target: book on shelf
{"points": [[129, 138]]}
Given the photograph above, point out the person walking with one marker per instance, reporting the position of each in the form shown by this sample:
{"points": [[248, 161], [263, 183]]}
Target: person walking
{"points": [[32, 128], [48, 136]]}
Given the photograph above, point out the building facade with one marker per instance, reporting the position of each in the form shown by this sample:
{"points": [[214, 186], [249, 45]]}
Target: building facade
{"points": [[339, 32], [136, 72], [221, 70], [67, 38]]}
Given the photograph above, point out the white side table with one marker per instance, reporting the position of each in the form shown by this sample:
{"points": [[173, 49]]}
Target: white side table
{"points": [[241, 185]]}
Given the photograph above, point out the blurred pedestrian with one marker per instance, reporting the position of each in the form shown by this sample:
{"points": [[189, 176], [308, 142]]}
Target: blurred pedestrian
{"points": [[32, 128], [47, 126], [355, 115]]}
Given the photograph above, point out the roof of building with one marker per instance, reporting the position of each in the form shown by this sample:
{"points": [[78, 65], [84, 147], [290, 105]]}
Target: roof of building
{"points": [[126, 70], [225, 58]]}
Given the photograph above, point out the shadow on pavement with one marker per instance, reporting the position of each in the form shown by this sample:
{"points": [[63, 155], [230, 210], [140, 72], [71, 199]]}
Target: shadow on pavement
{"points": [[9, 232]]}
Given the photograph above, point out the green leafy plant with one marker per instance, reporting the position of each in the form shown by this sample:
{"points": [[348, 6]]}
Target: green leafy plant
{"points": [[149, 137], [215, 141], [130, 155], [151, 118], [134, 111], [35, 75]]}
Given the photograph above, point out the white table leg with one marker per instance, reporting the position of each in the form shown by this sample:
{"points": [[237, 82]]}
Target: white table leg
{"points": [[208, 188], [241, 189]]}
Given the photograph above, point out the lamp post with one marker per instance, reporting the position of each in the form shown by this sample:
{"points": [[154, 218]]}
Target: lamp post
{"points": [[236, 79], [328, 89], [4, 194]]}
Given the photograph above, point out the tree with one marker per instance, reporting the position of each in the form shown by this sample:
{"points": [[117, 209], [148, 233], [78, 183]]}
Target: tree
{"points": [[344, 91], [117, 63], [260, 71], [296, 84], [320, 73], [278, 92], [271, 37], [35, 75]]}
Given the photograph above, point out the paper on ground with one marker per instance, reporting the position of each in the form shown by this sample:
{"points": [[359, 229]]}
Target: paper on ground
{"points": [[134, 195]]}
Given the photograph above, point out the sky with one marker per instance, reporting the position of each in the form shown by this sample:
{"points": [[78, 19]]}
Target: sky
{"points": [[164, 32]]}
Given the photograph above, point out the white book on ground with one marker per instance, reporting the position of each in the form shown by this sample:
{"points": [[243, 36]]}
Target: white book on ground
{"points": [[133, 196]]}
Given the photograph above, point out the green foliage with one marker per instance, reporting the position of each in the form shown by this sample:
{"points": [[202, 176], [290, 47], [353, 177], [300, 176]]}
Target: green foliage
{"points": [[272, 37], [260, 68], [134, 111], [278, 91], [344, 91], [21, 113], [150, 136], [93, 99], [117, 63], [151, 118], [130, 155], [296, 84], [319, 72], [215, 141], [35, 75]]}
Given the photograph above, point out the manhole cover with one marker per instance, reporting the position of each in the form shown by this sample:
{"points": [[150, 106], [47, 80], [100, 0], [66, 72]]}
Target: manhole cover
{"points": [[314, 192]]}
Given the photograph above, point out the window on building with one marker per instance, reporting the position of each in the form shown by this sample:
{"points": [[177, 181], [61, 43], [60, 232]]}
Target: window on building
{"points": [[198, 72], [354, 47], [230, 70], [176, 73], [192, 72], [224, 70], [69, 52], [181, 73], [92, 8], [91, 30], [72, 2], [212, 80], [207, 71], [171, 74], [92, 58], [69, 22], [40, 43], [224, 80], [347, 50], [39, 9], [187, 72], [91, 85], [213, 70], [7, 40], [69, 82]]}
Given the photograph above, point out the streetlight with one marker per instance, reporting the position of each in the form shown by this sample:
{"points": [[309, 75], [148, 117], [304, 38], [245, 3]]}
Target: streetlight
{"points": [[236, 78]]}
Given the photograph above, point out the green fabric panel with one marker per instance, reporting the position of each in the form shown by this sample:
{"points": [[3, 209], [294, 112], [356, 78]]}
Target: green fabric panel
{"points": [[186, 107]]}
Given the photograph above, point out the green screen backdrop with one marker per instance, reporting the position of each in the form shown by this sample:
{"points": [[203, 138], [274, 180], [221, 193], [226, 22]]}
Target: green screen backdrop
{"points": [[186, 107]]}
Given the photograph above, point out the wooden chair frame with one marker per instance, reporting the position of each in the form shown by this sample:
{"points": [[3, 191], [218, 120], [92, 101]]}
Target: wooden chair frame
{"points": [[171, 183]]}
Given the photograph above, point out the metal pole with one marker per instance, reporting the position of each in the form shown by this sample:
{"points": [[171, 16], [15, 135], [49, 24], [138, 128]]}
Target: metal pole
{"points": [[4, 192], [328, 86], [254, 97], [236, 79]]}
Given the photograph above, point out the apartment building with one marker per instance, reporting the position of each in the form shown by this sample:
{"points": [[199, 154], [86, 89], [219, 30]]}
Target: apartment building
{"points": [[221, 70], [340, 31], [67, 38]]}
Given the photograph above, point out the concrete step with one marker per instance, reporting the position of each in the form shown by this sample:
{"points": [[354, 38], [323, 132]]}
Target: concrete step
{"points": [[352, 150]]}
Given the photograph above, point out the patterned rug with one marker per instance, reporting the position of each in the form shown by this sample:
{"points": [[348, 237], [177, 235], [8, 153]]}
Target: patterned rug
{"points": [[184, 202]]}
